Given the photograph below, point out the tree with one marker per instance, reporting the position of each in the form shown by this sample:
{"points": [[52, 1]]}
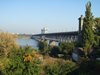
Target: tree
{"points": [[97, 31], [67, 48], [87, 32], [97, 26], [43, 47]]}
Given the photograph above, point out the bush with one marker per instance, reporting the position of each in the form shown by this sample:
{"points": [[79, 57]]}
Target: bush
{"points": [[23, 62], [67, 48], [55, 50], [43, 47], [59, 68], [7, 43], [90, 68]]}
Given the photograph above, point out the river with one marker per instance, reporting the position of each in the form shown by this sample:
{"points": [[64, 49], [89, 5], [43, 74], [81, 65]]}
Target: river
{"points": [[30, 42]]}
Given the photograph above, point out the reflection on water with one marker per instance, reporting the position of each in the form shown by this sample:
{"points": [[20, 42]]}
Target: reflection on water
{"points": [[30, 42]]}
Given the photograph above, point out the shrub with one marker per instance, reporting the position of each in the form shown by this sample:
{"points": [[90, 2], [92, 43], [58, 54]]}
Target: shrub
{"points": [[59, 68], [7, 43], [43, 47], [55, 50], [67, 48], [22, 62]]}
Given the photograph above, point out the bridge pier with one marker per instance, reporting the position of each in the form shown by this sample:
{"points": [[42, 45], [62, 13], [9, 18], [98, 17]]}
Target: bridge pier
{"points": [[52, 43]]}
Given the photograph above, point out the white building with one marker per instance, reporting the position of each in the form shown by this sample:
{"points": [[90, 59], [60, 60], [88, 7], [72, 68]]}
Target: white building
{"points": [[44, 30]]}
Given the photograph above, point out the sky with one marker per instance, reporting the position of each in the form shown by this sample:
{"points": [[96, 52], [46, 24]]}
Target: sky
{"points": [[30, 16]]}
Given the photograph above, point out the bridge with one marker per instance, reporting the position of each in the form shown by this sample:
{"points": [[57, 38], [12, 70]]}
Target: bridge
{"points": [[52, 38], [60, 36]]}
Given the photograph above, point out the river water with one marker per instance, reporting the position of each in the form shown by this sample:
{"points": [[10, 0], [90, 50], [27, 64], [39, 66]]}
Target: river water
{"points": [[30, 42]]}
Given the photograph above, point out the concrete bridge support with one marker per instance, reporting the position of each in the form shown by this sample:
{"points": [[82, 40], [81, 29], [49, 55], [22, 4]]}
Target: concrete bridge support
{"points": [[52, 43]]}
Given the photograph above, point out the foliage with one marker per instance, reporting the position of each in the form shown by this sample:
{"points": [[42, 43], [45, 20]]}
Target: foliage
{"points": [[95, 53], [64, 50], [87, 32], [43, 47], [91, 67], [7, 43], [3, 62], [97, 24], [22, 62], [97, 32], [59, 67], [16, 65], [67, 48], [55, 50], [87, 67], [97, 41]]}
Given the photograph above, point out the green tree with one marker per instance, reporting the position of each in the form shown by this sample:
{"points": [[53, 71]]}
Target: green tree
{"points": [[97, 25], [43, 47], [97, 32], [87, 32], [67, 48]]}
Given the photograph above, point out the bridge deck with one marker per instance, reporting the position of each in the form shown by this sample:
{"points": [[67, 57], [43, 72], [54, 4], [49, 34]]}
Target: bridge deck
{"points": [[59, 33]]}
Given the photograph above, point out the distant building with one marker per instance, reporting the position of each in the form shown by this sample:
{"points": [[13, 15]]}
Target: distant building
{"points": [[44, 30]]}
